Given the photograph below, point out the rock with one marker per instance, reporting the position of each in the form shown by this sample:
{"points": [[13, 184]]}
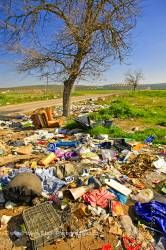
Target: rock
{"points": [[23, 188], [10, 205], [135, 129], [3, 148]]}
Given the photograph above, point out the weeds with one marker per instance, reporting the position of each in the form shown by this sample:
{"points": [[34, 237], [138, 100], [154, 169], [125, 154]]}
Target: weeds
{"points": [[15, 98], [71, 124], [113, 131], [153, 112], [147, 106], [116, 132]]}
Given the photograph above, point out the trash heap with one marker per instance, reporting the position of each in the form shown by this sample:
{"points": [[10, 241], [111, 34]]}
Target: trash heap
{"points": [[64, 184], [84, 107]]}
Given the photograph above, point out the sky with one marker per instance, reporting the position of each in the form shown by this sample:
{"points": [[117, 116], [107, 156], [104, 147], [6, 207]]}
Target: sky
{"points": [[148, 53]]}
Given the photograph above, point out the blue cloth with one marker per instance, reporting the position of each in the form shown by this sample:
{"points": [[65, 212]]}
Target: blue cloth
{"points": [[120, 197], [50, 183], [153, 212]]}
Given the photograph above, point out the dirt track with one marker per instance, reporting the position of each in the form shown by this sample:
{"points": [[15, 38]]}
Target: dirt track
{"points": [[11, 110]]}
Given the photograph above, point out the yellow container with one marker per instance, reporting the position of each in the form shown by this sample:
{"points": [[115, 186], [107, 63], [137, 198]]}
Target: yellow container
{"points": [[50, 158]]}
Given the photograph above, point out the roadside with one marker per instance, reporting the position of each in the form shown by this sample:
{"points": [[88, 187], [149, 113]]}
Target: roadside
{"points": [[11, 110]]}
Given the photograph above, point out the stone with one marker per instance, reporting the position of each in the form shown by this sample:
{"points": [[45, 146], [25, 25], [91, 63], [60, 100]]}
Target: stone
{"points": [[23, 188], [10, 205]]}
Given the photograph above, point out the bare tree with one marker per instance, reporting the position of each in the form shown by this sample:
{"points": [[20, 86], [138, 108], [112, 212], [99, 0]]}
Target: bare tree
{"points": [[133, 79], [70, 39]]}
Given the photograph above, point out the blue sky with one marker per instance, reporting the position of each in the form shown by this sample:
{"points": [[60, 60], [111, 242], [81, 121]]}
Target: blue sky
{"points": [[148, 52]]}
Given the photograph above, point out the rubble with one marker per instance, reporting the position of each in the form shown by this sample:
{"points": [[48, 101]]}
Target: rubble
{"points": [[98, 187]]}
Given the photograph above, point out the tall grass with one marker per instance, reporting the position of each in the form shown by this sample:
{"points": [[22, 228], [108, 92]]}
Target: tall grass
{"points": [[147, 106], [116, 132], [15, 98]]}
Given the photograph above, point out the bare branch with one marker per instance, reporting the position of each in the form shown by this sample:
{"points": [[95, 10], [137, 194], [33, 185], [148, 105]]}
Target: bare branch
{"points": [[70, 39]]}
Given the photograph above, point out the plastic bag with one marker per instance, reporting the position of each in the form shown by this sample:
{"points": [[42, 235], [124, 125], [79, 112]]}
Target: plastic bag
{"points": [[153, 212], [149, 139], [106, 246], [120, 197], [160, 165], [131, 244], [128, 225], [144, 195], [161, 245]]}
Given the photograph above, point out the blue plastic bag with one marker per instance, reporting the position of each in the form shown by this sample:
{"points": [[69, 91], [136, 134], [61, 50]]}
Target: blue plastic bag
{"points": [[154, 213], [149, 139]]}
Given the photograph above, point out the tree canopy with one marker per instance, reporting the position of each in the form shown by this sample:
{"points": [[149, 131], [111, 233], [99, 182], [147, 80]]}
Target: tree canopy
{"points": [[69, 39]]}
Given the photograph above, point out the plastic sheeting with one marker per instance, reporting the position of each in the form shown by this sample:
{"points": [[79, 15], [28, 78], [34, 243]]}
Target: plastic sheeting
{"points": [[153, 212], [50, 183]]}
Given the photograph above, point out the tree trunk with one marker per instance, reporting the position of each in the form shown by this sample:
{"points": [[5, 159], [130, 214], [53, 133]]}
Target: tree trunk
{"points": [[68, 85]]}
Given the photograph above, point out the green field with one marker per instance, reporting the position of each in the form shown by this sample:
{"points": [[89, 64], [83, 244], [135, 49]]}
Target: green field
{"points": [[142, 109], [25, 94], [15, 97]]}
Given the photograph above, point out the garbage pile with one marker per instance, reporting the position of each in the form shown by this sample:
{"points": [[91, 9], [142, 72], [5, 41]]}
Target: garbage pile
{"points": [[113, 189], [84, 107]]}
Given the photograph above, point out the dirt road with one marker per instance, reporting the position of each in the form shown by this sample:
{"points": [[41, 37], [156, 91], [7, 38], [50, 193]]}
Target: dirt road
{"points": [[12, 110]]}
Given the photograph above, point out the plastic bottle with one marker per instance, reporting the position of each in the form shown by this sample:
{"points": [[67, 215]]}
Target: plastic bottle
{"points": [[53, 146], [51, 157]]}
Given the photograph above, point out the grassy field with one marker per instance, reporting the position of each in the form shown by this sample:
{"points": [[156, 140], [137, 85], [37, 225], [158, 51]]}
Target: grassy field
{"points": [[16, 97], [84, 92], [146, 106], [142, 110], [23, 95]]}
